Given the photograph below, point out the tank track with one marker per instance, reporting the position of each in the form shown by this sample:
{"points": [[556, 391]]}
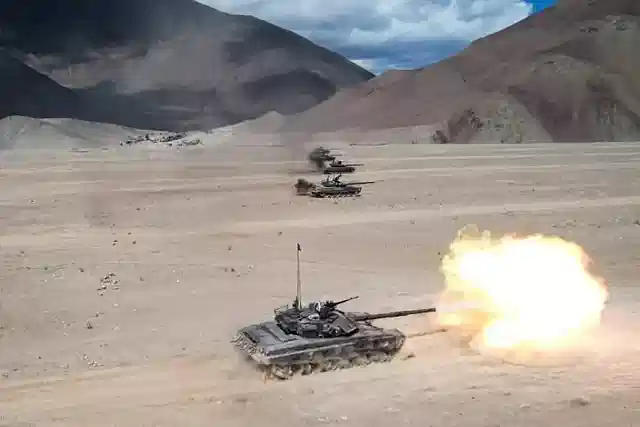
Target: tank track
{"points": [[334, 196], [313, 361]]}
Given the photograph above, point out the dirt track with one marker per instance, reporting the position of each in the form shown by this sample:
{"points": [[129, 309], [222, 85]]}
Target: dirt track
{"points": [[202, 243]]}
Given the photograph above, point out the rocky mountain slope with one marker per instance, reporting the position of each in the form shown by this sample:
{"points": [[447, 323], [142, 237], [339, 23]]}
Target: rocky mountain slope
{"points": [[569, 73], [27, 92], [163, 64]]}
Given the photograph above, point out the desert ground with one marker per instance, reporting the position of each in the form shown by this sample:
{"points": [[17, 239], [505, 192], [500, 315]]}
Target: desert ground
{"points": [[200, 241]]}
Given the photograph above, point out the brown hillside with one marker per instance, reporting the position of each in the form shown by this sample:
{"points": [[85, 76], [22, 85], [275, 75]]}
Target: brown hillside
{"points": [[172, 64], [569, 73]]}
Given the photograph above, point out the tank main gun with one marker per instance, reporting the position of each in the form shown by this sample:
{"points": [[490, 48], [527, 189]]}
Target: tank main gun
{"points": [[360, 182], [360, 317]]}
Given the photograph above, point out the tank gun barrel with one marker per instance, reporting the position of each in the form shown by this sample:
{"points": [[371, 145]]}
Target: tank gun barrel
{"points": [[360, 182], [390, 314]]}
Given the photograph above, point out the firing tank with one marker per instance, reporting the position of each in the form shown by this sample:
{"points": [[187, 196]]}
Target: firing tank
{"points": [[338, 166], [319, 337]]}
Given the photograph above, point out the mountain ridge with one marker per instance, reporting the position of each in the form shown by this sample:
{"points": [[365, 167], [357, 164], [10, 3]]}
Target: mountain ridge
{"points": [[174, 64], [567, 73]]}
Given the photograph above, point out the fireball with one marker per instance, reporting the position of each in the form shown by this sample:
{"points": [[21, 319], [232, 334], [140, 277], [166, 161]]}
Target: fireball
{"points": [[532, 292]]}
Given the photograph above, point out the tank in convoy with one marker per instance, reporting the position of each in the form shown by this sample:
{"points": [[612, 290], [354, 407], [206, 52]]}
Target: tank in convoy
{"points": [[330, 188], [338, 166], [319, 337], [320, 155]]}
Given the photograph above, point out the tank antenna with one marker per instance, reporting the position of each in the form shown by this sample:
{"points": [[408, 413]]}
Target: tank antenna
{"points": [[298, 301]]}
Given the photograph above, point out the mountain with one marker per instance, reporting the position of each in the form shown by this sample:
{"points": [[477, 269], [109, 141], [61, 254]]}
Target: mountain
{"points": [[568, 73], [27, 92], [170, 64]]}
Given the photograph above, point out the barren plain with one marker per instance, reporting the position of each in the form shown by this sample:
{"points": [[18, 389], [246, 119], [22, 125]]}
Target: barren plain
{"points": [[198, 242]]}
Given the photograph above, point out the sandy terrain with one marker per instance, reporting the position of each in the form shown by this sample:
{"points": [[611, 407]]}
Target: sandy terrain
{"points": [[202, 243]]}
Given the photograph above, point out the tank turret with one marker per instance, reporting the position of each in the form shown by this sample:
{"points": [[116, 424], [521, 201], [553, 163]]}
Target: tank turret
{"points": [[336, 182], [319, 337], [338, 166]]}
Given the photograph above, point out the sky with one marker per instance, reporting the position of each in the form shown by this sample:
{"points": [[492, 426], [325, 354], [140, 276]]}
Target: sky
{"points": [[388, 34]]}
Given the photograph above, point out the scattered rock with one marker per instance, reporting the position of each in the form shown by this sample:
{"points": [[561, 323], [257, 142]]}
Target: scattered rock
{"points": [[108, 281], [579, 401]]}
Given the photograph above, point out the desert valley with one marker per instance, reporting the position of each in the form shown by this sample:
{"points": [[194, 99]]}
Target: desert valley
{"points": [[136, 242]]}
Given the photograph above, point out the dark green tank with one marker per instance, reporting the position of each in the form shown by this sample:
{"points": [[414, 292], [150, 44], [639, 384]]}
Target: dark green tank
{"points": [[319, 337]]}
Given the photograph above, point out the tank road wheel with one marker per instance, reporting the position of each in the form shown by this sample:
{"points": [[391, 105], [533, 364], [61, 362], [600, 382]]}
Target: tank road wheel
{"points": [[306, 369], [343, 364], [361, 361], [330, 365], [379, 357], [317, 363], [280, 372]]}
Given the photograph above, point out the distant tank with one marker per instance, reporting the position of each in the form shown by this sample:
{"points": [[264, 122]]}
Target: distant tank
{"points": [[330, 188], [319, 337], [319, 155], [338, 166]]}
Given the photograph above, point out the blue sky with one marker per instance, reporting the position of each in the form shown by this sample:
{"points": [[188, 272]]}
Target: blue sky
{"points": [[538, 5], [389, 34]]}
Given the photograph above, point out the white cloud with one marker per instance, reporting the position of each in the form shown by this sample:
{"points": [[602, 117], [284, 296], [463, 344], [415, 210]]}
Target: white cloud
{"points": [[364, 29]]}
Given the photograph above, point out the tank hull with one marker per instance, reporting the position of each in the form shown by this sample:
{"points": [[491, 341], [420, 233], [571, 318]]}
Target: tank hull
{"points": [[282, 355], [329, 192]]}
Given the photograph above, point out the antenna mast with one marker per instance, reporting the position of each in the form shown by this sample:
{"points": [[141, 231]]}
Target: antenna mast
{"points": [[298, 302]]}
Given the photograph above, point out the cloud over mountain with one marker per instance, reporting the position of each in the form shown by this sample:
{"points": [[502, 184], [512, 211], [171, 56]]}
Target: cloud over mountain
{"points": [[384, 34]]}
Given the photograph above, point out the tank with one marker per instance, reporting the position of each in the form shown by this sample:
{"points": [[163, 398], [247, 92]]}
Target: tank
{"points": [[318, 156], [319, 337], [329, 188], [338, 166]]}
